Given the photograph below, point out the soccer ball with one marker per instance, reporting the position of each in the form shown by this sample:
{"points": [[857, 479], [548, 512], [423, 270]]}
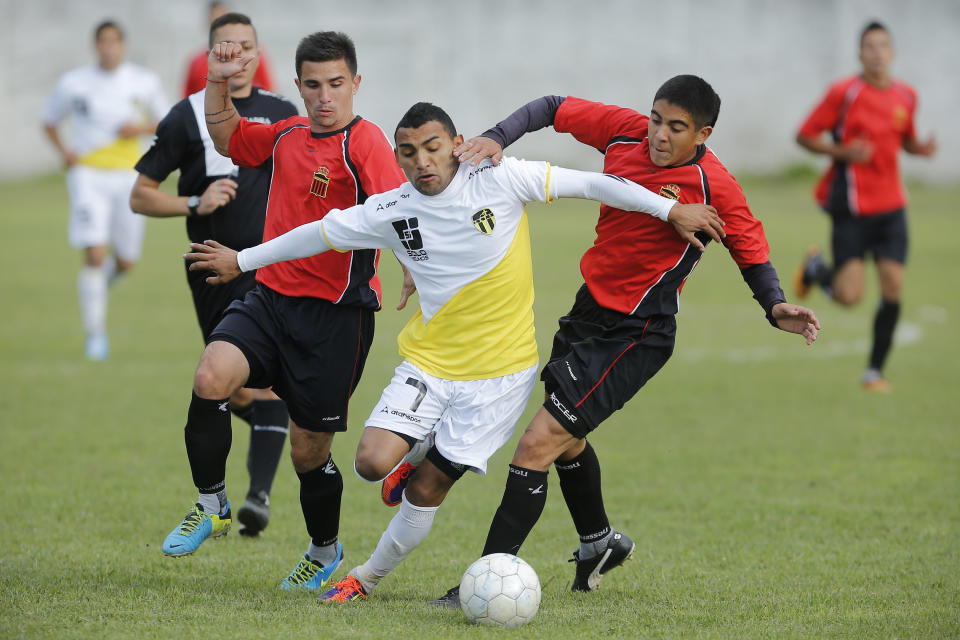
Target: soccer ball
{"points": [[501, 590]]}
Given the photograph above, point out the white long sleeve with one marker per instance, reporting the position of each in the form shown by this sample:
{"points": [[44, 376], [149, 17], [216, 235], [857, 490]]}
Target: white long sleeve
{"points": [[301, 242], [611, 190]]}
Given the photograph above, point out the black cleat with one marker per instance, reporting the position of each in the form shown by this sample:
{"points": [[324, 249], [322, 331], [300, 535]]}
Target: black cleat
{"points": [[591, 570], [254, 514], [449, 600]]}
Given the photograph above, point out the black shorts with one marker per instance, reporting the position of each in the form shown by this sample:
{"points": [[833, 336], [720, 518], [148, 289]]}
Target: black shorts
{"points": [[600, 359], [210, 301], [883, 235], [311, 351]]}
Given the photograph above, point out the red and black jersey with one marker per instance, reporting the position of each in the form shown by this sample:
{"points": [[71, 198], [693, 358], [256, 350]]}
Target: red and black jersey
{"points": [[314, 173], [883, 116], [638, 264]]}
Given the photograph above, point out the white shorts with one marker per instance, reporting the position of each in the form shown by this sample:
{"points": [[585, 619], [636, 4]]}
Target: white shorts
{"points": [[471, 418], [100, 213]]}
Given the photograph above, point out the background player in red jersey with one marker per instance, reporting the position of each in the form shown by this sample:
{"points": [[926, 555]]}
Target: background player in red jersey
{"points": [[306, 328], [621, 329], [870, 118], [195, 78]]}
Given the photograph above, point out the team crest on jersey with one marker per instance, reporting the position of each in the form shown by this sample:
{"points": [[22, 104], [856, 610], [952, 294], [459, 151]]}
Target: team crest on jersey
{"points": [[671, 191], [899, 117], [484, 221], [321, 181]]}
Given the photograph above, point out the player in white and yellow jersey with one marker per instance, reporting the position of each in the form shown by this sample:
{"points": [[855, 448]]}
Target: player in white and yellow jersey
{"points": [[112, 103], [470, 354]]}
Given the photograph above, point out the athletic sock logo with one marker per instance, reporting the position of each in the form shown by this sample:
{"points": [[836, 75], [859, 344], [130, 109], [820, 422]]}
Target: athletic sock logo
{"points": [[223, 406], [330, 468], [536, 491]]}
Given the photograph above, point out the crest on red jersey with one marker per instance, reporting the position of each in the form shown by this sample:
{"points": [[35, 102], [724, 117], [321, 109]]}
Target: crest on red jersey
{"points": [[671, 191], [321, 181]]}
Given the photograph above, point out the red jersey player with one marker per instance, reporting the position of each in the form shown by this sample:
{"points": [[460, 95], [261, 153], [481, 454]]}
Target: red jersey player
{"points": [[306, 327], [621, 328], [870, 118]]}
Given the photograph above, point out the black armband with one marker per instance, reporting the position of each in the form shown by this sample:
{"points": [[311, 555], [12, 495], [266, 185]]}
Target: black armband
{"points": [[532, 116], [765, 284]]}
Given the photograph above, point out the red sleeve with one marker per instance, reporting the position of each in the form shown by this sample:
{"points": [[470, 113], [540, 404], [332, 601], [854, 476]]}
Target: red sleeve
{"points": [[746, 241], [263, 77], [252, 142], [375, 161], [595, 123], [825, 115], [196, 74]]}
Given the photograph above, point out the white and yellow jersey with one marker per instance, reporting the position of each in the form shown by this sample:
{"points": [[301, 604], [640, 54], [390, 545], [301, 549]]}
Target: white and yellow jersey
{"points": [[100, 102], [468, 249]]}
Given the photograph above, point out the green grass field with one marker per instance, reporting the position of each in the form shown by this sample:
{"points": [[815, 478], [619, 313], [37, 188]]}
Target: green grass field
{"points": [[769, 496]]}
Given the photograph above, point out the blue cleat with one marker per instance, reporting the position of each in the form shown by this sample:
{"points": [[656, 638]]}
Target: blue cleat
{"points": [[97, 347], [310, 575], [196, 527]]}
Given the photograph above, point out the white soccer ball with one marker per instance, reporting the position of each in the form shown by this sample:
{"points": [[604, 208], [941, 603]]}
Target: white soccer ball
{"points": [[501, 590]]}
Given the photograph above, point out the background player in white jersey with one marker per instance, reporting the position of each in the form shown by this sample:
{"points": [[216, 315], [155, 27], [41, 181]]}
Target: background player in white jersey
{"points": [[462, 233], [112, 103]]}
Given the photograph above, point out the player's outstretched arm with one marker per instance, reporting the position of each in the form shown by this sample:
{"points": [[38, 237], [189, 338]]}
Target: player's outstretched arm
{"points": [[618, 192], [796, 319], [225, 59], [533, 116]]}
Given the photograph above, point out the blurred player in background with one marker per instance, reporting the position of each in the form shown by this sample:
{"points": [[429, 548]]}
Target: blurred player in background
{"points": [[870, 117], [462, 233], [112, 103], [621, 329], [306, 327], [228, 203], [196, 76]]}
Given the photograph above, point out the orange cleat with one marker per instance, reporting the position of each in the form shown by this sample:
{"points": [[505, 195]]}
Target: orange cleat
{"points": [[391, 492]]}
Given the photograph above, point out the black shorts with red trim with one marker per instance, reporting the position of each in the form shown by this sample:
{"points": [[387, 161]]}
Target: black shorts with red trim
{"points": [[311, 351], [600, 359], [884, 235]]}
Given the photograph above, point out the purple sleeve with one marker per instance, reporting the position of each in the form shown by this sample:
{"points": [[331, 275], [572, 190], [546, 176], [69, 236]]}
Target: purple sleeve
{"points": [[530, 117], [765, 284]]}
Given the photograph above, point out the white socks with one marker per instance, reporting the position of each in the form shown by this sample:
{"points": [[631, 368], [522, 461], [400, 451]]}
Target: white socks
{"points": [[92, 291], [408, 528]]}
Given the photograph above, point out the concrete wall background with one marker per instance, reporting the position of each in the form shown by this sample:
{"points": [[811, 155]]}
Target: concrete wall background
{"points": [[769, 60]]}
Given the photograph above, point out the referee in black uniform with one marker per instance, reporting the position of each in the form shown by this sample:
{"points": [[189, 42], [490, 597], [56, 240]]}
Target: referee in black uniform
{"points": [[226, 203]]}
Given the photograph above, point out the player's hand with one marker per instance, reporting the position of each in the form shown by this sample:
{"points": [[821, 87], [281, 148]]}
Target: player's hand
{"points": [[409, 286], [857, 151], [213, 256], [476, 150], [927, 148], [688, 219], [796, 319], [69, 158], [226, 59], [129, 130], [217, 194]]}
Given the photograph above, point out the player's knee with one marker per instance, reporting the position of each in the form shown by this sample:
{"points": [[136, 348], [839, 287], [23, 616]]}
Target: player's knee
{"points": [[207, 383], [847, 297], [371, 466]]}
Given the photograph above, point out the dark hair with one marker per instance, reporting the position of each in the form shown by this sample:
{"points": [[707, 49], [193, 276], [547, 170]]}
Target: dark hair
{"points": [[107, 24], [693, 94], [873, 25], [324, 46], [422, 113], [230, 18]]}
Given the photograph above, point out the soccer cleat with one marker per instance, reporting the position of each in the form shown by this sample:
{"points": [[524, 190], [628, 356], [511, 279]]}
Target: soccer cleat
{"points": [[254, 514], [97, 347], [591, 570], [310, 575], [449, 600], [196, 527], [391, 492], [346, 590], [803, 275], [872, 381]]}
